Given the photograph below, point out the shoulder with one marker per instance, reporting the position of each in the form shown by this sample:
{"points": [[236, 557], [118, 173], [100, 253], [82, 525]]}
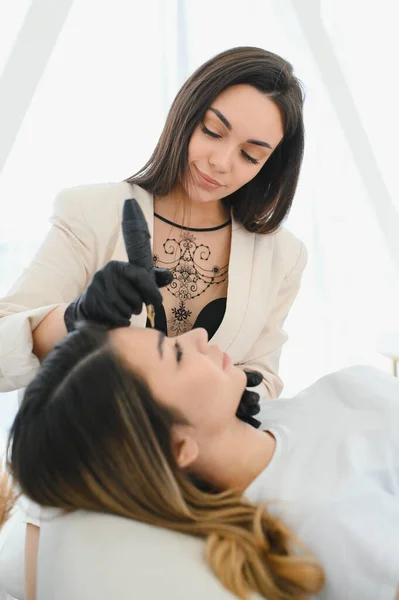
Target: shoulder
{"points": [[289, 252], [101, 200], [364, 387], [94, 211]]}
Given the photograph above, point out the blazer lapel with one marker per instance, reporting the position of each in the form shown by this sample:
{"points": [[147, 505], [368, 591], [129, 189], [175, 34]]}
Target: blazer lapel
{"points": [[238, 290], [240, 274]]}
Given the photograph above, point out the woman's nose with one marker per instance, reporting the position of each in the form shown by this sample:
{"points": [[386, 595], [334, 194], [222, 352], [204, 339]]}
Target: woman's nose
{"points": [[221, 161], [199, 338], [202, 339]]}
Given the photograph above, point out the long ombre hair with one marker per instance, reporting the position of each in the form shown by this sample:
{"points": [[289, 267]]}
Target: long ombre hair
{"points": [[90, 435], [262, 204], [8, 495]]}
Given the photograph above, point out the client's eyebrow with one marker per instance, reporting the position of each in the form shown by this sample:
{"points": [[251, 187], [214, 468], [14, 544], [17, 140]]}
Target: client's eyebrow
{"points": [[229, 126], [161, 339]]}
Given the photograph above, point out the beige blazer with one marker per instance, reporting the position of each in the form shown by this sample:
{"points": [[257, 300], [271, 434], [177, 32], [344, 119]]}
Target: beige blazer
{"points": [[264, 278]]}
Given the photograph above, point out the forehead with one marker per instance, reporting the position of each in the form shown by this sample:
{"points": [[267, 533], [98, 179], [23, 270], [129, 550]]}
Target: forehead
{"points": [[137, 346], [248, 108]]}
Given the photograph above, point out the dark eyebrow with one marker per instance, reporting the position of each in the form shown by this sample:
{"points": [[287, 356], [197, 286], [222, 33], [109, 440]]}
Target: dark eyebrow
{"points": [[260, 143], [222, 118], [161, 339], [229, 126]]}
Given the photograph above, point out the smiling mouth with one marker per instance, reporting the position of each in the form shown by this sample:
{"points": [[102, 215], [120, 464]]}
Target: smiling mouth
{"points": [[207, 181]]}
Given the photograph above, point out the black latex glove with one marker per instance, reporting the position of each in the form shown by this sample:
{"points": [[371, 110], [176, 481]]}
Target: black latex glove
{"points": [[249, 404], [118, 290]]}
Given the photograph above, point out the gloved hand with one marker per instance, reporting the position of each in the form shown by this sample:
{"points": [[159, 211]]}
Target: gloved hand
{"points": [[116, 292], [119, 289], [249, 404]]}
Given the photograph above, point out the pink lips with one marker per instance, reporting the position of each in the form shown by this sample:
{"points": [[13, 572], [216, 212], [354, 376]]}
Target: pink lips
{"points": [[226, 361], [207, 182]]}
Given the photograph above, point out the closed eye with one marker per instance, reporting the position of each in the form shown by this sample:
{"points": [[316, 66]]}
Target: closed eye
{"points": [[209, 132], [178, 352], [250, 158], [214, 135]]}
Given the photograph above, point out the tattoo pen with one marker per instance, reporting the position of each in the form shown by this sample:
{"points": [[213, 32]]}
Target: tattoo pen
{"points": [[137, 238]]}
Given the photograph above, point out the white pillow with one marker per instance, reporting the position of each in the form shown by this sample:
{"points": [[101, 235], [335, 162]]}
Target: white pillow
{"points": [[93, 556]]}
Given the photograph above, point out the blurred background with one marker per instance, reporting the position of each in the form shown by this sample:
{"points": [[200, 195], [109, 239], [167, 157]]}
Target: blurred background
{"points": [[85, 86]]}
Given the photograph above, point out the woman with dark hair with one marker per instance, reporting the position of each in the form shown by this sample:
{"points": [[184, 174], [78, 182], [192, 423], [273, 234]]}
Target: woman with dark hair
{"points": [[137, 424], [215, 194]]}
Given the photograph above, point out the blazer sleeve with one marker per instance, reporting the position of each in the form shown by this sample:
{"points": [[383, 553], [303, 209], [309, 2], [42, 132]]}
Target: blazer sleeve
{"points": [[58, 273], [264, 355]]}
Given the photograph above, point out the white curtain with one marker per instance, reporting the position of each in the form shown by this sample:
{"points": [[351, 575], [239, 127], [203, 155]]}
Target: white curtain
{"points": [[95, 111], [99, 101]]}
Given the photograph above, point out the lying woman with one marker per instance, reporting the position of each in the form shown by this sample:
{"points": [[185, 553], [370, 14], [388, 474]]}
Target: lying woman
{"points": [[144, 426]]}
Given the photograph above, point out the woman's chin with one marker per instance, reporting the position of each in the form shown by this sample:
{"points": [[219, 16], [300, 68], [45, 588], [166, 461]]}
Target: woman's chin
{"points": [[240, 377], [200, 196]]}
